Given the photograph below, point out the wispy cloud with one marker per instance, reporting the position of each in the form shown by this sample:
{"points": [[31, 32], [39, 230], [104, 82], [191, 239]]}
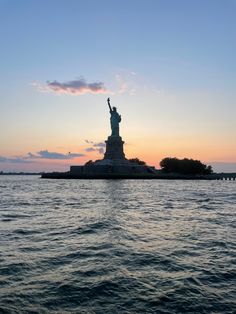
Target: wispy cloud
{"points": [[123, 85], [100, 150], [96, 147], [126, 82], [45, 154], [89, 142], [13, 160], [75, 87], [90, 149], [100, 144]]}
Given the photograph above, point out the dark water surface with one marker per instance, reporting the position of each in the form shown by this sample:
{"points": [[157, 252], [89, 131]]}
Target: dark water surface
{"points": [[125, 246]]}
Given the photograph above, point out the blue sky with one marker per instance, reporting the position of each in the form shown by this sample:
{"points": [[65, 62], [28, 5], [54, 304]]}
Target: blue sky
{"points": [[169, 67]]}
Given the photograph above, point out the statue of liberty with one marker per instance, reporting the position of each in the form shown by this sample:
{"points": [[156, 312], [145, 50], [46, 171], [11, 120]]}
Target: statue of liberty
{"points": [[115, 119]]}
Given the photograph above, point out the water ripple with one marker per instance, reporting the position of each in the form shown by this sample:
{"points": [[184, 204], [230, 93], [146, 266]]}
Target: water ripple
{"points": [[83, 246]]}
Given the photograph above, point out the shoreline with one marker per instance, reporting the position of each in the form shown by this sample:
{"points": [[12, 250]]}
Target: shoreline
{"points": [[163, 176]]}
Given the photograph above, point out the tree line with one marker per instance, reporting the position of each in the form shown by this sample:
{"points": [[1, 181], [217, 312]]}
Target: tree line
{"points": [[184, 166], [175, 165]]}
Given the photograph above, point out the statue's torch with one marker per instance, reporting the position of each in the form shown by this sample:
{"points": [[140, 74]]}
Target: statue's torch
{"points": [[108, 101]]}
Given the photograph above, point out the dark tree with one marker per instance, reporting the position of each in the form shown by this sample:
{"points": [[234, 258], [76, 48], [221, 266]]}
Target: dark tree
{"points": [[184, 166], [137, 161], [88, 162]]}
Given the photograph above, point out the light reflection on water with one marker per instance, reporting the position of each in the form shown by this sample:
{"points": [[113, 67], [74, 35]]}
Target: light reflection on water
{"points": [[122, 246]]}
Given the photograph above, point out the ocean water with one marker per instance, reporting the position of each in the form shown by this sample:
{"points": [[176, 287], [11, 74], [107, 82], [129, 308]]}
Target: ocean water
{"points": [[117, 246]]}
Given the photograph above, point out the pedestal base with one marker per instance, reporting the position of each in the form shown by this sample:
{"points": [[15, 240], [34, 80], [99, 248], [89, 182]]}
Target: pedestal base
{"points": [[114, 148]]}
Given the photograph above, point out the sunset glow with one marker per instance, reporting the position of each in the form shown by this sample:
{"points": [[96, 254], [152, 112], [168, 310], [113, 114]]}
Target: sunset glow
{"points": [[170, 73]]}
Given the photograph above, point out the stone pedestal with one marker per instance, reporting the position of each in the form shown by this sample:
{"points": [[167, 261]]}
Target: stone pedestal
{"points": [[114, 148]]}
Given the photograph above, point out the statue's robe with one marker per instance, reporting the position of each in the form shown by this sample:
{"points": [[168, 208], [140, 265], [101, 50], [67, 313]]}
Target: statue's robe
{"points": [[115, 120]]}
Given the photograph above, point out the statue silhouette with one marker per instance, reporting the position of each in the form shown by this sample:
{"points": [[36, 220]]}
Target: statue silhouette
{"points": [[115, 119]]}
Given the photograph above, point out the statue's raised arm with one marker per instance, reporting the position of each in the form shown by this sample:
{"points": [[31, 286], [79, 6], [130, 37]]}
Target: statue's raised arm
{"points": [[108, 101]]}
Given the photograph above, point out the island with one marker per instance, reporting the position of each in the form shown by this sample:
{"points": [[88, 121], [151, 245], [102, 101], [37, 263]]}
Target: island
{"points": [[115, 165]]}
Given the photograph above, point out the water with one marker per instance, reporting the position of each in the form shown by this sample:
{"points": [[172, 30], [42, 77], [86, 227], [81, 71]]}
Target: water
{"points": [[125, 246]]}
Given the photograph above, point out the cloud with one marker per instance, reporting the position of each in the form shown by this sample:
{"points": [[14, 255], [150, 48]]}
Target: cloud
{"points": [[101, 144], [89, 142], [40, 87], [96, 147], [126, 82], [100, 150], [45, 154], [75, 87], [14, 160], [123, 85], [29, 156], [3, 159], [90, 149]]}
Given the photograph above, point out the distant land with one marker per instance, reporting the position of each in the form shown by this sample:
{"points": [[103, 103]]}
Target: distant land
{"points": [[20, 173]]}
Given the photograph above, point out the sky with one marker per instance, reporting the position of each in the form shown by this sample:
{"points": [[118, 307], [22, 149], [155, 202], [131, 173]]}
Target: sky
{"points": [[168, 66]]}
